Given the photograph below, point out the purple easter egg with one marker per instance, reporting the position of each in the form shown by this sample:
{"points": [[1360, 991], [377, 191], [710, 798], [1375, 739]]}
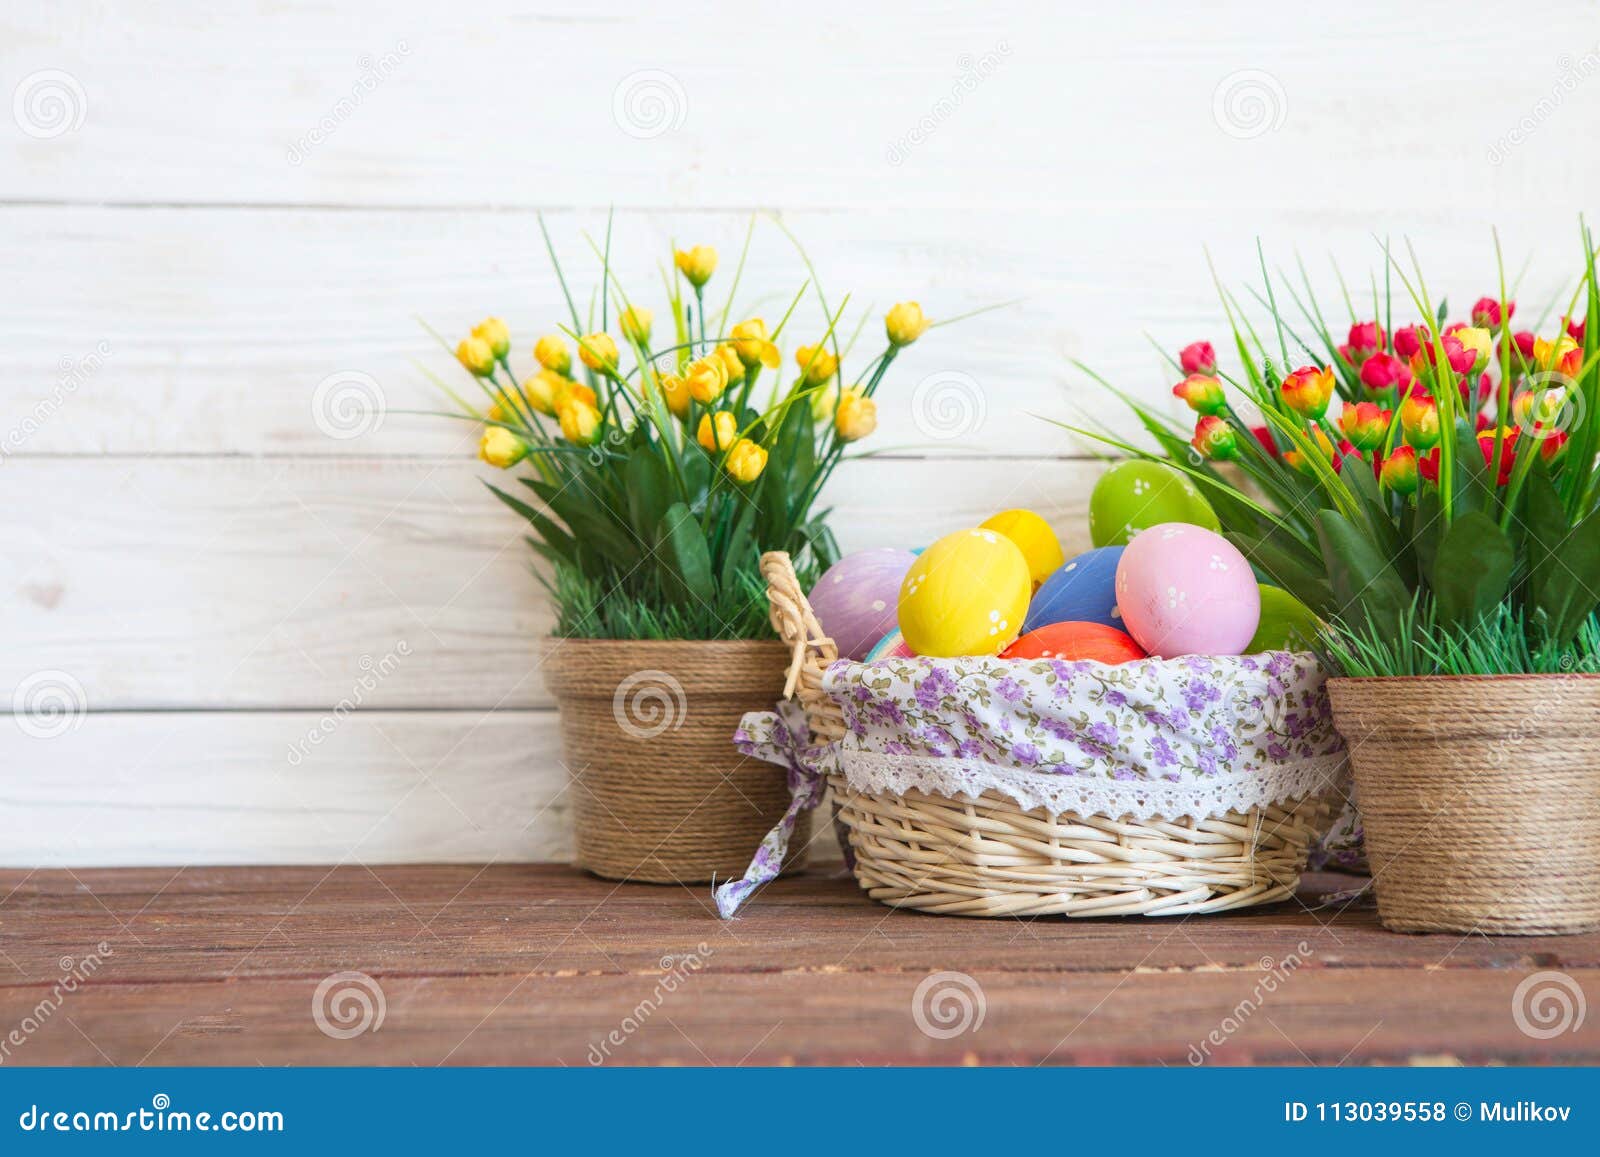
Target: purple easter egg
{"points": [[1185, 590], [856, 597]]}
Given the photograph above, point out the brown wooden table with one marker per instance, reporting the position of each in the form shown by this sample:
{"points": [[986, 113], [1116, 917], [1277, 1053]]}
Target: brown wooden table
{"points": [[541, 964]]}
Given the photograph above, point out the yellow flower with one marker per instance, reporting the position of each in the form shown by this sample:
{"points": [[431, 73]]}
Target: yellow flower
{"points": [[676, 392], [751, 343], [571, 391], [599, 352], [706, 379], [697, 264], [580, 422], [477, 355], [635, 322], [552, 353], [856, 417], [823, 403], [500, 447], [1562, 356], [816, 364], [493, 331], [718, 431], [905, 323], [746, 460], [1479, 341], [730, 358], [544, 388]]}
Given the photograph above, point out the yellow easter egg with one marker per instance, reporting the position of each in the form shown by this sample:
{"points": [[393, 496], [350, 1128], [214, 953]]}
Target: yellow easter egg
{"points": [[1033, 536], [965, 595]]}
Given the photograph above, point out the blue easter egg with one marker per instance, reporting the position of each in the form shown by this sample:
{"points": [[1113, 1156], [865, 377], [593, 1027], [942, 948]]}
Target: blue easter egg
{"points": [[1083, 590]]}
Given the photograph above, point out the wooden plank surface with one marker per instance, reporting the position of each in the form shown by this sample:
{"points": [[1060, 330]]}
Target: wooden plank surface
{"points": [[837, 105], [295, 331], [285, 583], [539, 964]]}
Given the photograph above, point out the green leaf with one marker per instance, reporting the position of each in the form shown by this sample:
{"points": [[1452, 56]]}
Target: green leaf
{"points": [[1367, 593], [558, 540], [1570, 588], [1472, 570], [685, 554], [649, 489], [740, 552], [587, 519], [1284, 567]]}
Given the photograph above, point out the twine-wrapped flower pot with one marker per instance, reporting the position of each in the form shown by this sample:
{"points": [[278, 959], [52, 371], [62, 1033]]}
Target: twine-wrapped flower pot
{"points": [[1480, 797], [658, 793]]}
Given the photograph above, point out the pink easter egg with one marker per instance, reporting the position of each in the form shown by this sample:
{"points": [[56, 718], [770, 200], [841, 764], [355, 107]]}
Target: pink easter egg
{"points": [[1186, 590], [855, 600]]}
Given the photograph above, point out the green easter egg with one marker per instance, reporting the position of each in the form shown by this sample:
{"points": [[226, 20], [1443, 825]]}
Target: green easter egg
{"points": [[1286, 623], [1135, 494]]}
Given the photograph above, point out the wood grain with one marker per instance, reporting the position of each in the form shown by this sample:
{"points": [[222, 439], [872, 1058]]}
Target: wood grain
{"points": [[213, 331], [513, 965], [1077, 105], [274, 583]]}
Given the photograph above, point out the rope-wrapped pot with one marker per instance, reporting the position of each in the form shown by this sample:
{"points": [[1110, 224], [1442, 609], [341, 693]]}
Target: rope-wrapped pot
{"points": [[952, 832], [1480, 796]]}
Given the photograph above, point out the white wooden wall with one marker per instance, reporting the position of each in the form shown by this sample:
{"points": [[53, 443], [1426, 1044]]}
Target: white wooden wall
{"points": [[209, 211]]}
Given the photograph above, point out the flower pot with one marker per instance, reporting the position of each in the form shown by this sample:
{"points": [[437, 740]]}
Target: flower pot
{"points": [[659, 793], [1480, 797]]}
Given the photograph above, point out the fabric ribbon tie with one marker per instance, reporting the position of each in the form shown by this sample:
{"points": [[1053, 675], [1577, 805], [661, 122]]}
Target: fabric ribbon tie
{"points": [[781, 737]]}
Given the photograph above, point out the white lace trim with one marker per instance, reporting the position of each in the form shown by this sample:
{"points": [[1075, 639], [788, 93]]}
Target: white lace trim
{"points": [[873, 771]]}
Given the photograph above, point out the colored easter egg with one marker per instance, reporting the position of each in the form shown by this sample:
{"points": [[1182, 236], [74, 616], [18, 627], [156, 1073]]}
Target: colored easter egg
{"points": [[1184, 590], [855, 598], [1137, 494], [1094, 641], [1286, 623], [1033, 536], [891, 646], [965, 595], [1084, 590]]}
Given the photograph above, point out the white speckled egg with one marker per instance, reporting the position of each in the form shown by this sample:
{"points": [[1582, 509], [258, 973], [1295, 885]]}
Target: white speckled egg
{"points": [[855, 598], [965, 595], [1184, 590]]}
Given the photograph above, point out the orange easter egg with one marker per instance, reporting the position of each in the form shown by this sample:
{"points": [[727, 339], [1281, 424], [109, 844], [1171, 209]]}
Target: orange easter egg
{"points": [[1093, 641]]}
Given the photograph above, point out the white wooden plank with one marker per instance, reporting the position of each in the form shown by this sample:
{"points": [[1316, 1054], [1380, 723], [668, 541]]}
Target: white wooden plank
{"points": [[226, 788], [272, 583], [1368, 104], [214, 331]]}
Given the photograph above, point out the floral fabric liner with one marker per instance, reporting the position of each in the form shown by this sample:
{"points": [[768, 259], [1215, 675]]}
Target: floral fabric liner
{"points": [[1152, 738], [1176, 738]]}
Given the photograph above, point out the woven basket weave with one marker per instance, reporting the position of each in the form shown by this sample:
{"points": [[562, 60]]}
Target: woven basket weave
{"points": [[1480, 797], [989, 857], [658, 794]]}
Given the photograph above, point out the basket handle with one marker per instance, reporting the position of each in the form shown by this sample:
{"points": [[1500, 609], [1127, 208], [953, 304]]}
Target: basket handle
{"points": [[812, 649]]}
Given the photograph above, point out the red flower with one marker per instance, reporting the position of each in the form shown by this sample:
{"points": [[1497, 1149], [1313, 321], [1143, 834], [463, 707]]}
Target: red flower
{"points": [[1485, 388], [1524, 340], [1366, 339], [1486, 312], [1428, 466], [1461, 358], [1409, 339], [1553, 446], [1215, 439], [1264, 436], [1346, 450], [1384, 371], [1198, 358], [1399, 470], [1575, 329], [1507, 453]]}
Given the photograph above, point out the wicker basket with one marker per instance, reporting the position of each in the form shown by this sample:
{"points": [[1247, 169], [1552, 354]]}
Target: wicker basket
{"points": [[989, 857], [657, 795]]}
